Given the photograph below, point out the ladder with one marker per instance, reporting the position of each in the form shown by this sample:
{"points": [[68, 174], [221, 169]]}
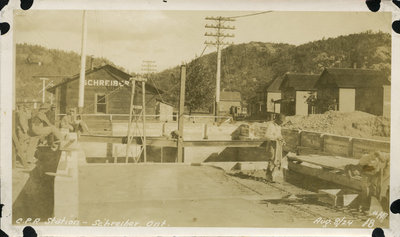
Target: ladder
{"points": [[137, 113]]}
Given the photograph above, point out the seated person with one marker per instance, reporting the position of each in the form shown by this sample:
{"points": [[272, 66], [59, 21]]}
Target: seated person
{"points": [[73, 122], [41, 126]]}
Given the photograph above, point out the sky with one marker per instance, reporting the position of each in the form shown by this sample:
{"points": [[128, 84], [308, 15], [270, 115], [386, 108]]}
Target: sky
{"points": [[173, 37]]}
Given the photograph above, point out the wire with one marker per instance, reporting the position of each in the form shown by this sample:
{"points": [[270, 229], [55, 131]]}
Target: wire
{"points": [[106, 96], [252, 14], [156, 86], [203, 51]]}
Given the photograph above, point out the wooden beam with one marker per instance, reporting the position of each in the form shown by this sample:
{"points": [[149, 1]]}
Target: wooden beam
{"points": [[227, 143], [167, 142], [150, 141], [327, 176]]}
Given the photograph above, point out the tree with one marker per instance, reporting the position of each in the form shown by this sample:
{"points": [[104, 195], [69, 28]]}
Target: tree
{"points": [[199, 92]]}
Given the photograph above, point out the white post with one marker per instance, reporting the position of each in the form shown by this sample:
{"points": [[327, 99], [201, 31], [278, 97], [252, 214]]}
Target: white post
{"points": [[83, 64], [218, 82], [43, 89], [144, 120]]}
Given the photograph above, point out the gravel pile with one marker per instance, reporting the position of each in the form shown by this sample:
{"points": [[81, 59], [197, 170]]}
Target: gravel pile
{"points": [[355, 124]]}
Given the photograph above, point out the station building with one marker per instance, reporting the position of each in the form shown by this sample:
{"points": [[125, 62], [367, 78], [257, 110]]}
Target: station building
{"points": [[107, 91]]}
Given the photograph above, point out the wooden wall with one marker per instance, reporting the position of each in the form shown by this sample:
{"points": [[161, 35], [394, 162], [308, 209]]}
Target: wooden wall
{"points": [[370, 100], [297, 140], [118, 99]]}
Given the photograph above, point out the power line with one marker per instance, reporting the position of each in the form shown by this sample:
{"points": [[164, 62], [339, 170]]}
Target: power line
{"points": [[251, 14], [205, 47]]}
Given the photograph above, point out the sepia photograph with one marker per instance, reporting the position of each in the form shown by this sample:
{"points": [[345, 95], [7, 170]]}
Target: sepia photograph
{"points": [[197, 118]]}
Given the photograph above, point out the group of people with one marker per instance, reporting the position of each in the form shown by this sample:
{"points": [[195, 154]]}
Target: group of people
{"points": [[34, 127]]}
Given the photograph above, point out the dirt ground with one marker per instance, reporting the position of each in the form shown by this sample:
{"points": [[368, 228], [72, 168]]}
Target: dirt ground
{"points": [[181, 195], [198, 196], [355, 124]]}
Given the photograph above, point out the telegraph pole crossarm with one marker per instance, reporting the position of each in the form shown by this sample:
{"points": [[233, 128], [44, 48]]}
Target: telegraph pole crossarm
{"points": [[219, 36]]}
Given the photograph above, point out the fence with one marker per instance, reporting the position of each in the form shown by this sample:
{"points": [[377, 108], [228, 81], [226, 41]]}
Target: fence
{"points": [[315, 142]]}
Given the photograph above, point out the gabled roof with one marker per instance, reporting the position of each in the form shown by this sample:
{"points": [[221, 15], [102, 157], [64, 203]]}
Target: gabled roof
{"points": [[299, 81], [230, 96], [275, 85], [352, 78], [115, 72]]}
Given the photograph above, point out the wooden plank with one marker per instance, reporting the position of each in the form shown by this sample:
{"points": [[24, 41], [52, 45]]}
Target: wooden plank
{"points": [[327, 176], [152, 141], [364, 146], [328, 162], [227, 143], [162, 141], [311, 139], [337, 145]]}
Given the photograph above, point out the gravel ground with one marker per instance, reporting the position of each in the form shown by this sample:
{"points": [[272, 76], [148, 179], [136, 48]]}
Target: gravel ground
{"points": [[355, 124]]}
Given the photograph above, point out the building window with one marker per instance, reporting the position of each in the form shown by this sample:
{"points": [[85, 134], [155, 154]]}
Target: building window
{"points": [[101, 105]]}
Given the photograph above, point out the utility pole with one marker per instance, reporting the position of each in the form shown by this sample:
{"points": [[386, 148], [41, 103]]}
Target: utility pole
{"points": [[149, 67], [219, 36], [180, 114], [44, 88], [83, 65]]}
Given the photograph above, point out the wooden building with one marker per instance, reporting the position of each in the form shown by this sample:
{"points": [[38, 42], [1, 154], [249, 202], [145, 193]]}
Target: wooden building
{"points": [[296, 88], [164, 111], [107, 91], [351, 89], [274, 96], [230, 100], [256, 104]]}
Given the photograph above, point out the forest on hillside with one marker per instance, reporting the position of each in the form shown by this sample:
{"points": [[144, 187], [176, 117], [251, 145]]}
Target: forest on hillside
{"points": [[246, 67], [34, 61]]}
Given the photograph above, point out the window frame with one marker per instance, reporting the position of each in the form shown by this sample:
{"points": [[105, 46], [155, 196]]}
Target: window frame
{"points": [[96, 95]]}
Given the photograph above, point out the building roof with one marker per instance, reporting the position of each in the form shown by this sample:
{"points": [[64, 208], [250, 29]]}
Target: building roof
{"points": [[299, 81], [352, 78], [230, 96], [115, 72], [275, 85]]}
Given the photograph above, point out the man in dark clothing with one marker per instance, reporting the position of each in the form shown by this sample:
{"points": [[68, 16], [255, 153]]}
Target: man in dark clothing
{"points": [[41, 126], [51, 114]]}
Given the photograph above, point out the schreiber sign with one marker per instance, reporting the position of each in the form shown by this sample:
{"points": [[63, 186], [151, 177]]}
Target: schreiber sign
{"points": [[95, 82]]}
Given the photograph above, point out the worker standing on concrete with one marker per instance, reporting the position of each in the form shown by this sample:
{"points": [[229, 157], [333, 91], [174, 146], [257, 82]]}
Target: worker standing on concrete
{"points": [[274, 147], [41, 126]]}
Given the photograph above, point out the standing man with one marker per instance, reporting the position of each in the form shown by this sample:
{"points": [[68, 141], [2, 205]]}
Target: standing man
{"points": [[51, 114], [274, 146]]}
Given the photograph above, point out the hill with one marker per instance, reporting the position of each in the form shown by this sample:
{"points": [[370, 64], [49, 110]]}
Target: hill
{"points": [[34, 60], [248, 67]]}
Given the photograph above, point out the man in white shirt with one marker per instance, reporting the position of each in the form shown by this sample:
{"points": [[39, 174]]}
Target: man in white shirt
{"points": [[274, 146]]}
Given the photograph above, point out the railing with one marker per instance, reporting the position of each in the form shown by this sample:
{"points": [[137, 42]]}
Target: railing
{"points": [[158, 117]]}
